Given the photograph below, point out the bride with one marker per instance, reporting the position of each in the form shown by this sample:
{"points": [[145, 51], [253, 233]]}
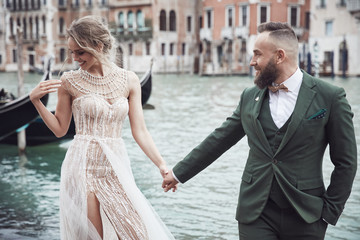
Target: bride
{"points": [[98, 195]]}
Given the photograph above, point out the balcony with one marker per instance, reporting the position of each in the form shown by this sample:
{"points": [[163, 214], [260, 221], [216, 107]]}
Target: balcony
{"points": [[353, 6], [227, 33], [242, 32], [205, 34]]}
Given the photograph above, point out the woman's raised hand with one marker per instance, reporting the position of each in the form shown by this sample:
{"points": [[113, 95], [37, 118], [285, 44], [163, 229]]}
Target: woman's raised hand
{"points": [[44, 88]]}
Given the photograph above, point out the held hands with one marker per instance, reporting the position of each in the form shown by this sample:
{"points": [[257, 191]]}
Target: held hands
{"points": [[44, 88], [165, 174], [169, 182]]}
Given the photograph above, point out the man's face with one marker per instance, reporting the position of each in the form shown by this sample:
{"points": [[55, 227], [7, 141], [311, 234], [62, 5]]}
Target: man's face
{"points": [[267, 75], [263, 61]]}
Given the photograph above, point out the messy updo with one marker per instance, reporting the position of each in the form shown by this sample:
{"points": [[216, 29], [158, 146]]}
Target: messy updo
{"points": [[91, 33]]}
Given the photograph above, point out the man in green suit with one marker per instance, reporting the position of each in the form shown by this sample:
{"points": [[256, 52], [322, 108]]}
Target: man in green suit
{"points": [[289, 118]]}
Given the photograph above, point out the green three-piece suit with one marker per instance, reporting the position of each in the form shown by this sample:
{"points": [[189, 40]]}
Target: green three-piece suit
{"points": [[322, 117]]}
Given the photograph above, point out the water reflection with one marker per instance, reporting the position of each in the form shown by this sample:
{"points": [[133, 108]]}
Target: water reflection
{"points": [[187, 109]]}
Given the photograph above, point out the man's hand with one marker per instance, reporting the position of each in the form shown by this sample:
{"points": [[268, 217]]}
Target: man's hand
{"points": [[169, 182]]}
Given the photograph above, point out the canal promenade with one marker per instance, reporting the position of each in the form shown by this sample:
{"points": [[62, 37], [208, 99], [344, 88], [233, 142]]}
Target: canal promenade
{"points": [[187, 109]]}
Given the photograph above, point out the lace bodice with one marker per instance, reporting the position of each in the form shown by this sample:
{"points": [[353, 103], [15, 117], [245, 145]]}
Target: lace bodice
{"points": [[100, 103]]}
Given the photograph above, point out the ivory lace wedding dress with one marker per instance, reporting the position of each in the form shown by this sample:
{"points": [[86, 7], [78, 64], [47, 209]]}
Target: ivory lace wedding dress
{"points": [[97, 162]]}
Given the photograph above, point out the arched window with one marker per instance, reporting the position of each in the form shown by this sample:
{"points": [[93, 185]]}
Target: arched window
{"points": [[24, 28], [61, 25], [130, 19], [11, 27], [172, 20], [44, 24], [162, 20], [31, 28], [37, 27], [121, 19], [139, 19]]}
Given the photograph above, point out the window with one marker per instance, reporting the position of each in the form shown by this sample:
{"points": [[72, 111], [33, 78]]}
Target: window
{"points": [[171, 51], [188, 21], [293, 16], [11, 27], [37, 27], [329, 28], [243, 15], [263, 14], [31, 33], [200, 22], [147, 48], [229, 17], [89, 3], [208, 18], [162, 20], [183, 49], [130, 49], [61, 3], [44, 24], [0, 59], [307, 20], [24, 29], [121, 19], [139, 19], [322, 3], [130, 19], [61, 25], [62, 54], [163, 49], [14, 55], [172, 21]]}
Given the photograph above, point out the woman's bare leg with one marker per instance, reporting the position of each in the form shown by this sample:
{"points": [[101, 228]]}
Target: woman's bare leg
{"points": [[94, 213]]}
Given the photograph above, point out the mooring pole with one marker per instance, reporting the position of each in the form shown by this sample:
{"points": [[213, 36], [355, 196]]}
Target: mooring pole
{"points": [[21, 136]]}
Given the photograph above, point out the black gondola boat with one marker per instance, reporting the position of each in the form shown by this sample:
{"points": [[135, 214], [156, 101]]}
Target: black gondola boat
{"points": [[19, 112], [37, 132]]}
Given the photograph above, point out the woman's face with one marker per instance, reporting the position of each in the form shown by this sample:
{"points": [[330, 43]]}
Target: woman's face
{"points": [[85, 59]]}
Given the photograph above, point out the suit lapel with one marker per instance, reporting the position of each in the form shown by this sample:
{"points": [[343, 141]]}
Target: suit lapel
{"points": [[305, 98], [259, 98]]}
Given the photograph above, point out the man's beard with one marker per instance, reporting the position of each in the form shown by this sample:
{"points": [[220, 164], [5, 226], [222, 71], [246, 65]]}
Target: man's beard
{"points": [[267, 76]]}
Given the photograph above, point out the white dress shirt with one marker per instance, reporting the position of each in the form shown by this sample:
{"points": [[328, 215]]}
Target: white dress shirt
{"points": [[282, 103]]}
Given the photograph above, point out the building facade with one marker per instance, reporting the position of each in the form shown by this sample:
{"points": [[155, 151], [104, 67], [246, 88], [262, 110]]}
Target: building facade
{"points": [[165, 31], [229, 29], [335, 36]]}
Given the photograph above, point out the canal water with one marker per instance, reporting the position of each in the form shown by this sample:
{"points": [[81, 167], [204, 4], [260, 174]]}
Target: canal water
{"points": [[187, 109]]}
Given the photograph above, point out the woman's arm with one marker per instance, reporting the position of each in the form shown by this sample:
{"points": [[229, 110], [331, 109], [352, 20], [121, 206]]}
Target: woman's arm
{"points": [[138, 127], [59, 122]]}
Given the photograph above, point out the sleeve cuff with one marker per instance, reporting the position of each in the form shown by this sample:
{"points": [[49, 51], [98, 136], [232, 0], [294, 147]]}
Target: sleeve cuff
{"points": [[175, 177]]}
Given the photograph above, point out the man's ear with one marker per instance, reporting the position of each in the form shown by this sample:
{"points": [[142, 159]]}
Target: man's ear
{"points": [[280, 55]]}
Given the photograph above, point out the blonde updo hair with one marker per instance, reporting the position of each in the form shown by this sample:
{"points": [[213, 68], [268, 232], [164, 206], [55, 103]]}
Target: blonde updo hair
{"points": [[91, 33]]}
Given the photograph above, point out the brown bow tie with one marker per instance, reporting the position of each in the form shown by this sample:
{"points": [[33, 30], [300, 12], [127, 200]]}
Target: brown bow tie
{"points": [[276, 88]]}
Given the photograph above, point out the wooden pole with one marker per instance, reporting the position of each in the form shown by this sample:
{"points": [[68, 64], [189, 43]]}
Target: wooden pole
{"points": [[20, 73]]}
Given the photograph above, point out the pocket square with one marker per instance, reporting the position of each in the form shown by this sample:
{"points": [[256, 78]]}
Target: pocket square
{"points": [[320, 114]]}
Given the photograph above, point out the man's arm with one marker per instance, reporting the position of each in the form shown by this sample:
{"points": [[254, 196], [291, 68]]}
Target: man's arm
{"points": [[218, 142], [343, 154]]}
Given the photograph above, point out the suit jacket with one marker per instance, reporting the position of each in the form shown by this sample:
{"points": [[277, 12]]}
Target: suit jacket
{"points": [[322, 117]]}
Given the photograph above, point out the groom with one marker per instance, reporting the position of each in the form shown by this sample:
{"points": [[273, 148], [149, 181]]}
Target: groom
{"points": [[289, 118]]}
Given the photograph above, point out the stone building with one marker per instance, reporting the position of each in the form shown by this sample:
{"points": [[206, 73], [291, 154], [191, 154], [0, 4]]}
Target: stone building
{"points": [[162, 30], [335, 37], [230, 26]]}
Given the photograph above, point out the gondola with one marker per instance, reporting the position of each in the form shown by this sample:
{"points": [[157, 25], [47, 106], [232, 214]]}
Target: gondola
{"points": [[19, 112], [37, 132]]}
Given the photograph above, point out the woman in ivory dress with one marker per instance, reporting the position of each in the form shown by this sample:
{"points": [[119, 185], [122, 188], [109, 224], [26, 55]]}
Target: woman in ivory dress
{"points": [[98, 195]]}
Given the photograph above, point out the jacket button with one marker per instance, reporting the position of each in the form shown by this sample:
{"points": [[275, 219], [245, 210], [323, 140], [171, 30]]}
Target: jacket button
{"points": [[274, 161]]}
